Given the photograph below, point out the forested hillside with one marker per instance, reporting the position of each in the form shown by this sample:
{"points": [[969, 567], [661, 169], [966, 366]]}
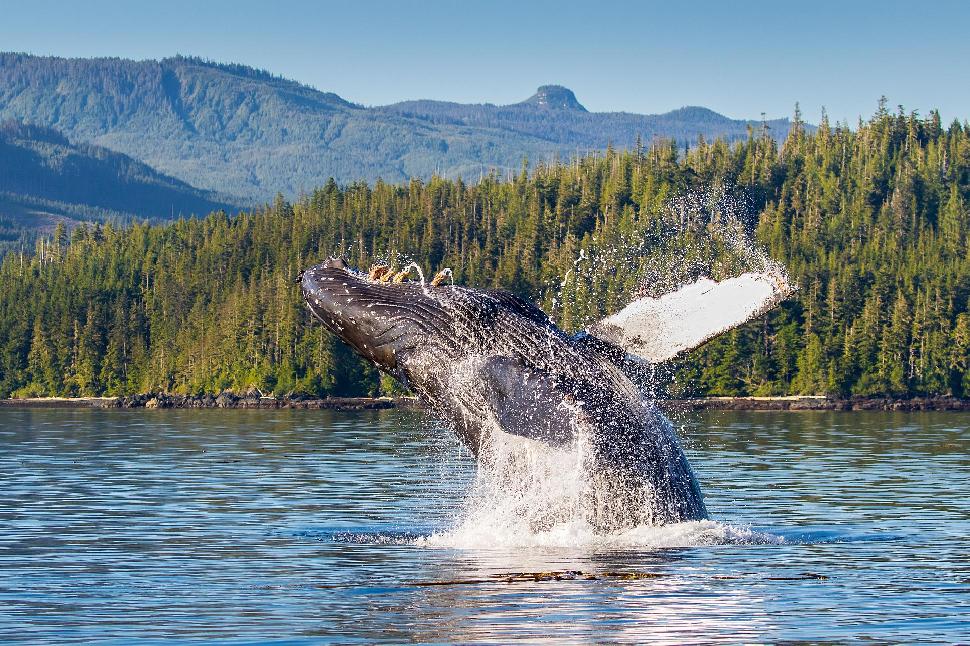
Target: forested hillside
{"points": [[44, 178], [248, 133], [872, 223]]}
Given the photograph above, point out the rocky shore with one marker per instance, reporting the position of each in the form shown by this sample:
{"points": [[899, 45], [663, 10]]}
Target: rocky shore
{"points": [[808, 403], [222, 400], [257, 401]]}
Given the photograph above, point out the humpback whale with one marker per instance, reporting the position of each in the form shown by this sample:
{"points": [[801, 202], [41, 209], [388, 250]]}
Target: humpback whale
{"points": [[492, 364]]}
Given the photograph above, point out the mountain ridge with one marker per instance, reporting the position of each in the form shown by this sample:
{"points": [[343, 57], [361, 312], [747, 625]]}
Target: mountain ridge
{"points": [[247, 132]]}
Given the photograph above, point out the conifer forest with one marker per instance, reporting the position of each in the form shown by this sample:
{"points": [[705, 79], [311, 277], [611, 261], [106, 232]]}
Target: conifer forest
{"points": [[871, 222]]}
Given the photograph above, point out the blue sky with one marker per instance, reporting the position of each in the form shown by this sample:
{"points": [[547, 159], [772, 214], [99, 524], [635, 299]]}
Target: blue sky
{"points": [[740, 59]]}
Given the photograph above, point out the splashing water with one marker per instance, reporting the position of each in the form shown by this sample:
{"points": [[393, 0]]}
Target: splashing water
{"points": [[524, 486], [582, 536], [702, 233], [417, 268], [527, 494]]}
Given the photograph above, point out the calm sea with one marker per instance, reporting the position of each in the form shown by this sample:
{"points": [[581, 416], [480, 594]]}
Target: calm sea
{"points": [[315, 527]]}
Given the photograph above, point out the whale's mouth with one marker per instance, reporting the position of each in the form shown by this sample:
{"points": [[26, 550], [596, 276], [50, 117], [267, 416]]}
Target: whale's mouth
{"points": [[380, 314]]}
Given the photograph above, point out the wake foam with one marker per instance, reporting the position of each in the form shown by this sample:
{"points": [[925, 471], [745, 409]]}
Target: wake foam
{"points": [[527, 495], [582, 535]]}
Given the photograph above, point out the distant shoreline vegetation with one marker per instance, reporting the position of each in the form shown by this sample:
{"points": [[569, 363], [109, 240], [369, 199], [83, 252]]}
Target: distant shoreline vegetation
{"points": [[871, 223]]}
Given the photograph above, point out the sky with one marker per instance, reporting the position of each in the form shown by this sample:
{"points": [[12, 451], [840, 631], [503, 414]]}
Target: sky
{"points": [[739, 58]]}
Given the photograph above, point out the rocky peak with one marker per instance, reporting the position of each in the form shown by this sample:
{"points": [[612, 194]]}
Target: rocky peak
{"points": [[555, 97]]}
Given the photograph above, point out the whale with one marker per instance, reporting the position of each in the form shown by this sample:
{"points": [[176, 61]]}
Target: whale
{"points": [[493, 365]]}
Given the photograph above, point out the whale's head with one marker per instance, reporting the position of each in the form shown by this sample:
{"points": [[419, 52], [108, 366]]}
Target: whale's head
{"points": [[381, 316]]}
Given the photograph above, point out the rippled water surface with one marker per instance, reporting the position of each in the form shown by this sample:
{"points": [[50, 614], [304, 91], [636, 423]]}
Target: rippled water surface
{"points": [[313, 526]]}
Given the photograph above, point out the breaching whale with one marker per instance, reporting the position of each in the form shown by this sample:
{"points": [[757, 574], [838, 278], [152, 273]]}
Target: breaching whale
{"points": [[490, 363]]}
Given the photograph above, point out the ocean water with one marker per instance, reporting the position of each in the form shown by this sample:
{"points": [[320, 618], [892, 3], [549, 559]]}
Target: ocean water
{"points": [[317, 527]]}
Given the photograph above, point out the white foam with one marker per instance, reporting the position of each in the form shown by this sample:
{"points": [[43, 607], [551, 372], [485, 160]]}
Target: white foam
{"points": [[529, 495], [577, 534]]}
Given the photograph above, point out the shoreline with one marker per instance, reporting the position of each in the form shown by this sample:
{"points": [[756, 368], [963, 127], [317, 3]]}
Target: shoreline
{"points": [[251, 401], [818, 403], [152, 401]]}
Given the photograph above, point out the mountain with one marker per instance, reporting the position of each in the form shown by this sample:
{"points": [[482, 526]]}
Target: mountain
{"points": [[247, 132], [558, 119], [44, 178], [554, 97]]}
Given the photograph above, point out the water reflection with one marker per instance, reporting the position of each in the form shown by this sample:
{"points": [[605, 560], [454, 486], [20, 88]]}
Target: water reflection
{"points": [[616, 596], [312, 524]]}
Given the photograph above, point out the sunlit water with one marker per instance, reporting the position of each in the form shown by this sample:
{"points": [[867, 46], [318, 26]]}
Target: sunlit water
{"points": [[314, 526]]}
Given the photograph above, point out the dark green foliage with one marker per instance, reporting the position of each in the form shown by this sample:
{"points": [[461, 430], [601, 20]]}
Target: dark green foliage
{"points": [[872, 224], [248, 133]]}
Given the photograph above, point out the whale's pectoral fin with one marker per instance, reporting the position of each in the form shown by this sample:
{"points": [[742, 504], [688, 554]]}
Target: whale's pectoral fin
{"points": [[524, 403], [657, 329]]}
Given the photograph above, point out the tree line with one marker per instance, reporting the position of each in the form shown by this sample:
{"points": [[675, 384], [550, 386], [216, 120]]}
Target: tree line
{"points": [[871, 222]]}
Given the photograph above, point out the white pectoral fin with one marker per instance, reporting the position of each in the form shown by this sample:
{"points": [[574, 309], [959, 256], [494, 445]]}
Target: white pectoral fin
{"points": [[657, 329]]}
